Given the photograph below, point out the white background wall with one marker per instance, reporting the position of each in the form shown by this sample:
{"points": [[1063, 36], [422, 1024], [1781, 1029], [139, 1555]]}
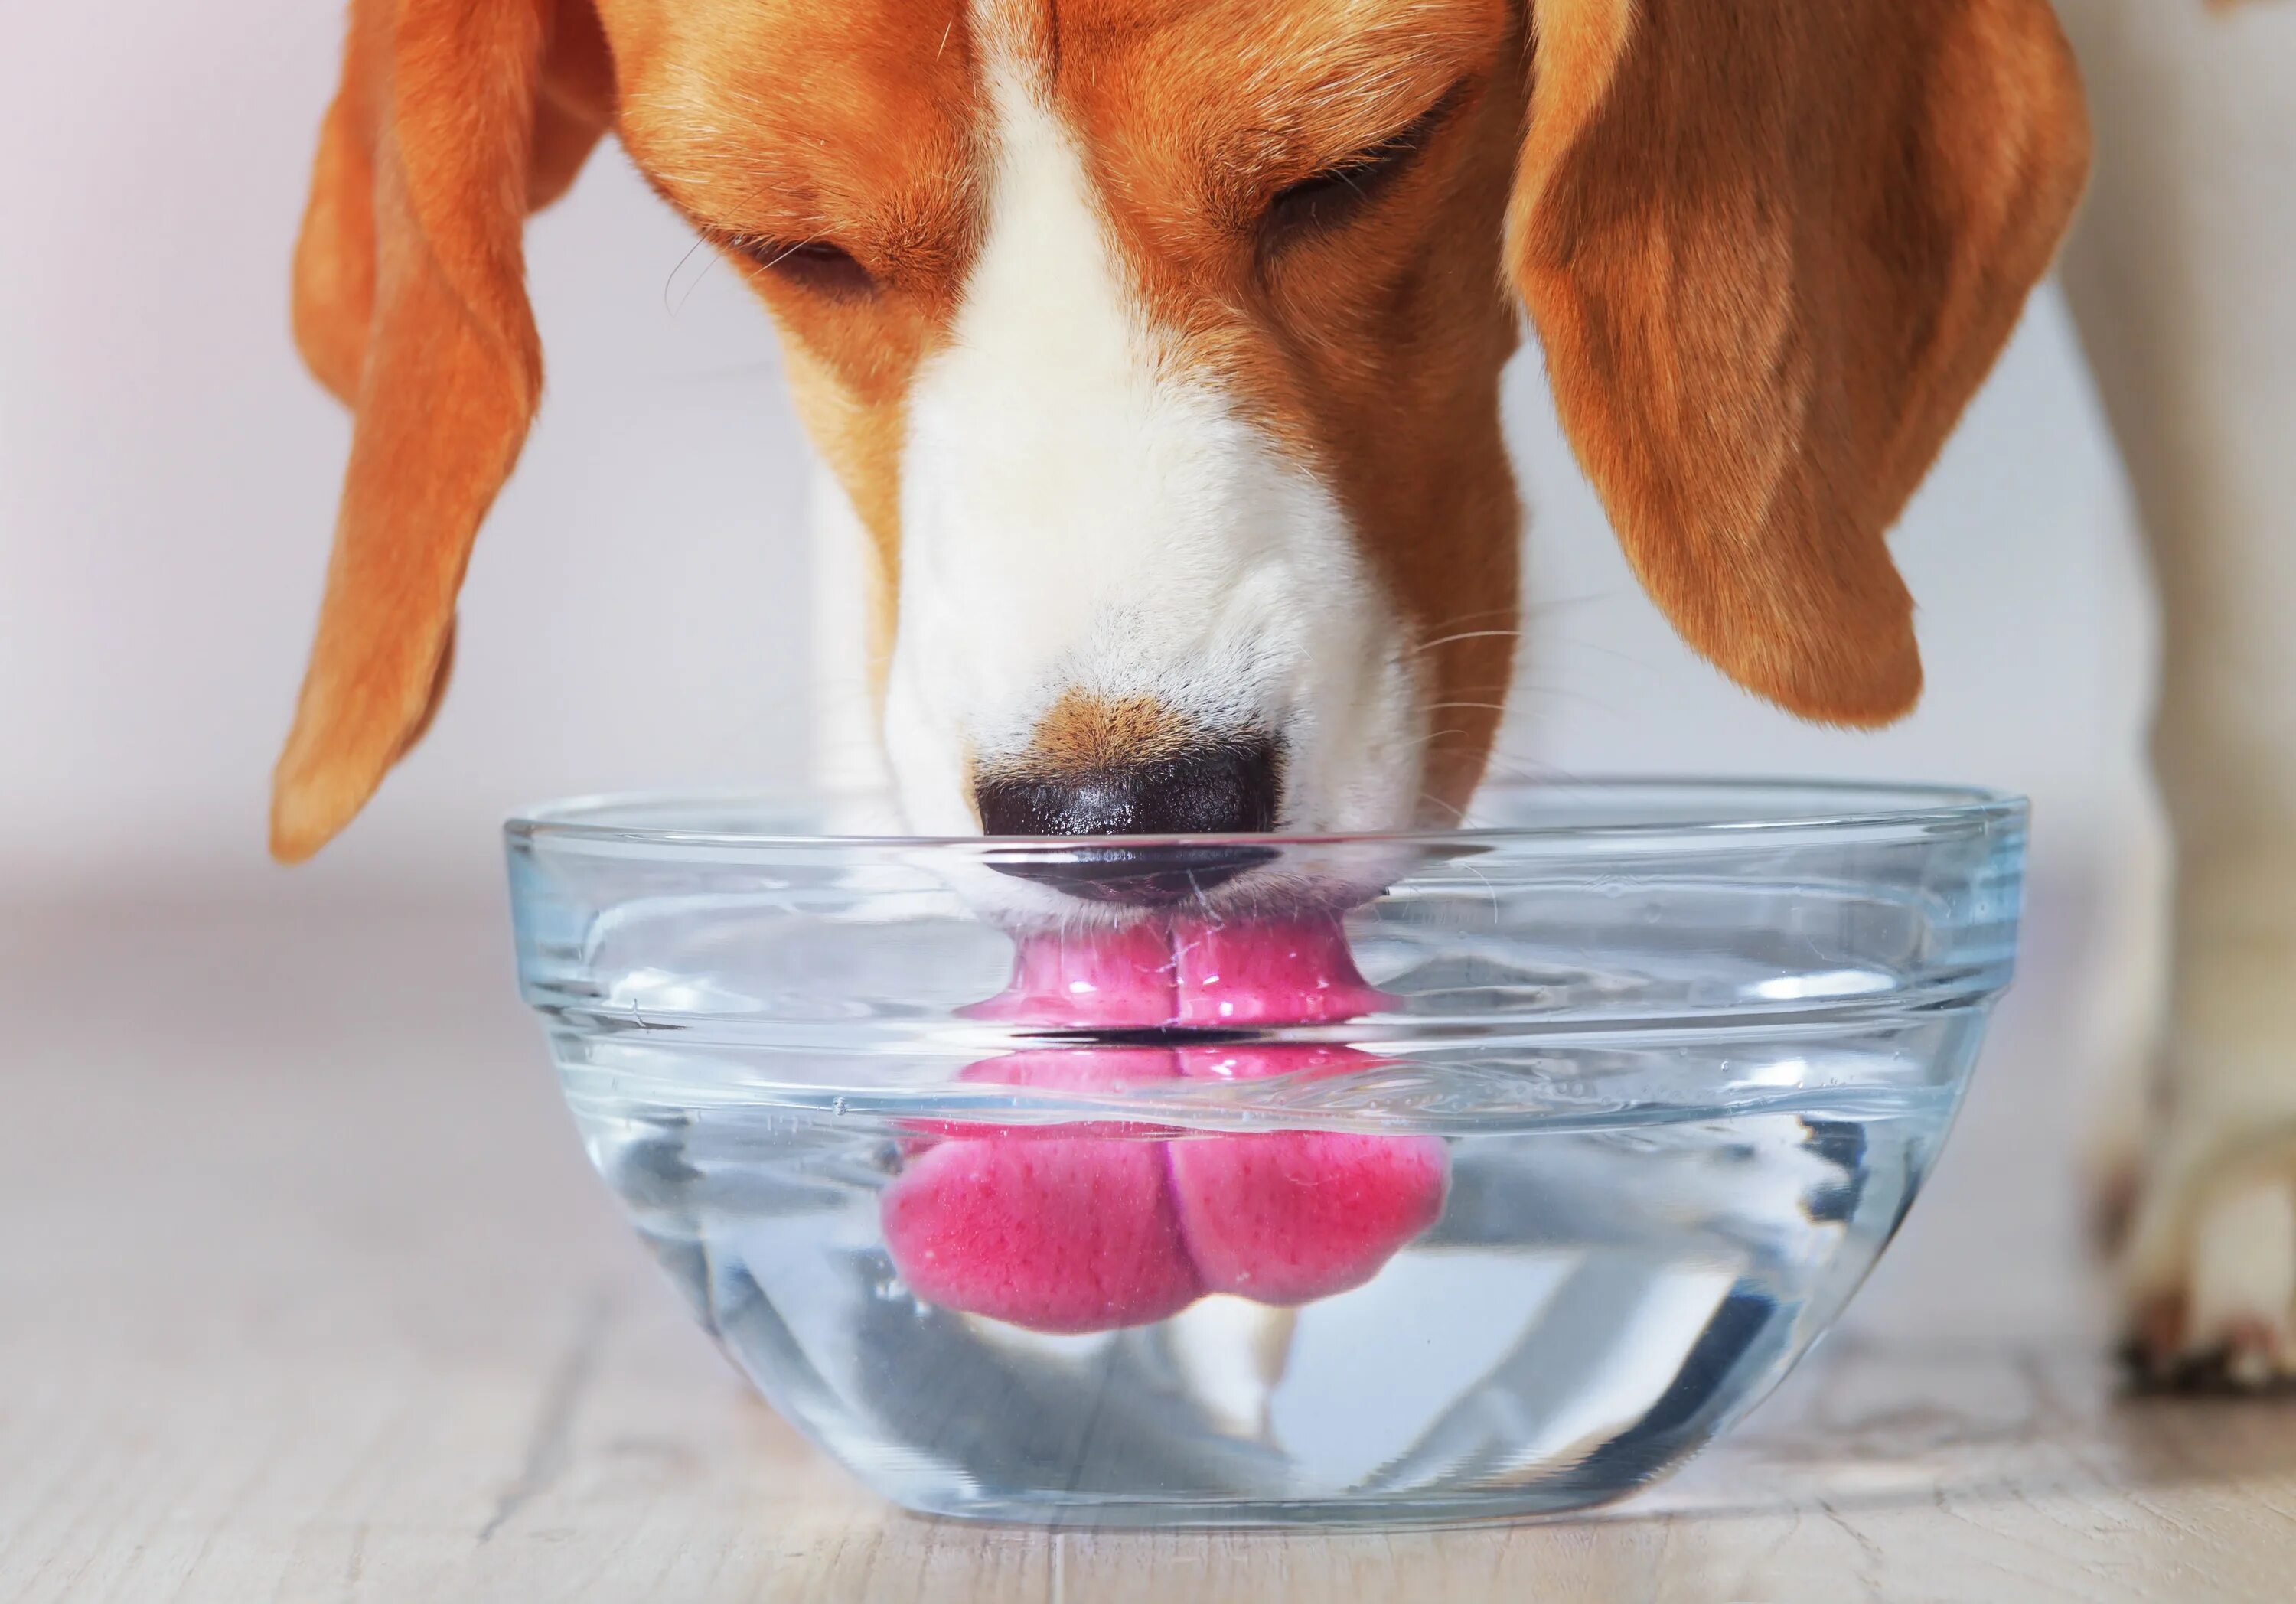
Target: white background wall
{"points": [[636, 613]]}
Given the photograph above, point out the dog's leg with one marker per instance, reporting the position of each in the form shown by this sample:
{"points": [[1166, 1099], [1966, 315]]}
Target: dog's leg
{"points": [[2212, 1267], [2179, 277]]}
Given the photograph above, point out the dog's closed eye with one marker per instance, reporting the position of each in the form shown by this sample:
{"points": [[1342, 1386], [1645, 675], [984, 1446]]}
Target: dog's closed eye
{"points": [[1328, 198], [816, 264]]}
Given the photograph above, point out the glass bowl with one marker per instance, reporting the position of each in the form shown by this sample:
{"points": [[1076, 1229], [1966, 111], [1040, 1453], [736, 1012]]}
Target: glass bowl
{"points": [[1487, 1172]]}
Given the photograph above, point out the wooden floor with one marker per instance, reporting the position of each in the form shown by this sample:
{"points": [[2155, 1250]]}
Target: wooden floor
{"points": [[307, 1293]]}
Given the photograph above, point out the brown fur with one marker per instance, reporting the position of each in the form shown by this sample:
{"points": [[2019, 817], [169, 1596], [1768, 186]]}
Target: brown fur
{"points": [[1373, 351], [1081, 733], [409, 303], [1768, 266], [872, 144], [1770, 245]]}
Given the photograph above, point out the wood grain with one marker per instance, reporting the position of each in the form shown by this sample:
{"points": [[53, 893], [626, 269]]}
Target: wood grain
{"points": [[307, 1293]]}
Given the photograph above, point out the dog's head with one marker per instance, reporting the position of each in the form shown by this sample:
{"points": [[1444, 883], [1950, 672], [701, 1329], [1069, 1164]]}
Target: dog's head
{"points": [[1156, 344]]}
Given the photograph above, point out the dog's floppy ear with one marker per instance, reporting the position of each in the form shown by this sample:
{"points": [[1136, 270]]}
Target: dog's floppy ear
{"points": [[1771, 247], [456, 119]]}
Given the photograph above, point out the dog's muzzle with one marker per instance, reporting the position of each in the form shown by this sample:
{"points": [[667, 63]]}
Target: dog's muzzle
{"points": [[1227, 787]]}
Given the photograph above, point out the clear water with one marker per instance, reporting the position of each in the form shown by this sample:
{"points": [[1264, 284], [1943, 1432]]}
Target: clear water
{"points": [[1681, 1054], [1602, 1293]]}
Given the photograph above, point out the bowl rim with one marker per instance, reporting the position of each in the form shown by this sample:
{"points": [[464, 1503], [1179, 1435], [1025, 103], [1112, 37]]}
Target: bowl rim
{"points": [[1914, 807]]}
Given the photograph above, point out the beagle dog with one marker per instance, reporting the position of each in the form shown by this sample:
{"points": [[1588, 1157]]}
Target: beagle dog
{"points": [[1154, 348]]}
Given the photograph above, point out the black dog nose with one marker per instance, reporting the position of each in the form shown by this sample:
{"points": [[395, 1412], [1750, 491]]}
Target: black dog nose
{"points": [[1226, 788]]}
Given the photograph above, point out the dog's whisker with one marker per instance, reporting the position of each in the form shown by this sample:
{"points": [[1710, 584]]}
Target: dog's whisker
{"points": [[1566, 693], [1471, 635], [1461, 620], [1458, 813], [1576, 644], [790, 250], [1518, 767], [669, 283], [1547, 604]]}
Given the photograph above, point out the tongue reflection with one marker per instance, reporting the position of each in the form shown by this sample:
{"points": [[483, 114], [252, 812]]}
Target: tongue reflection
{"points": [[1094, 1227]]}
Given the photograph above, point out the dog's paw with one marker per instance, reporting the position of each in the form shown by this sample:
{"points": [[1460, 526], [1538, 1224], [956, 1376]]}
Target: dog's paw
{"points": [[2211, 1268]]}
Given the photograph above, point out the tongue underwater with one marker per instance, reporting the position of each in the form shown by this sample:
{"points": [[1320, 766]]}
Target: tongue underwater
{"points": [[1096, 1227]]}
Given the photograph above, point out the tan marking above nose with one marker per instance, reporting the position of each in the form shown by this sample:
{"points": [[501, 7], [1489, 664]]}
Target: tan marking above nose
{"points": [[1082, 733]]}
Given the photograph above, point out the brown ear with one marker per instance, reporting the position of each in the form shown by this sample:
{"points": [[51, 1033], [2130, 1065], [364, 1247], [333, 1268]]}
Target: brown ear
{"points": [[1771, 248], [455, 118]]}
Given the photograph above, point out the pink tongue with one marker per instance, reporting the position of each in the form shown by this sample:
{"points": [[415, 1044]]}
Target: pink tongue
{"points": [[1298, 973], [1041, 1227], [1094, 1227], [1295, 1216], [1106, 978]]}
